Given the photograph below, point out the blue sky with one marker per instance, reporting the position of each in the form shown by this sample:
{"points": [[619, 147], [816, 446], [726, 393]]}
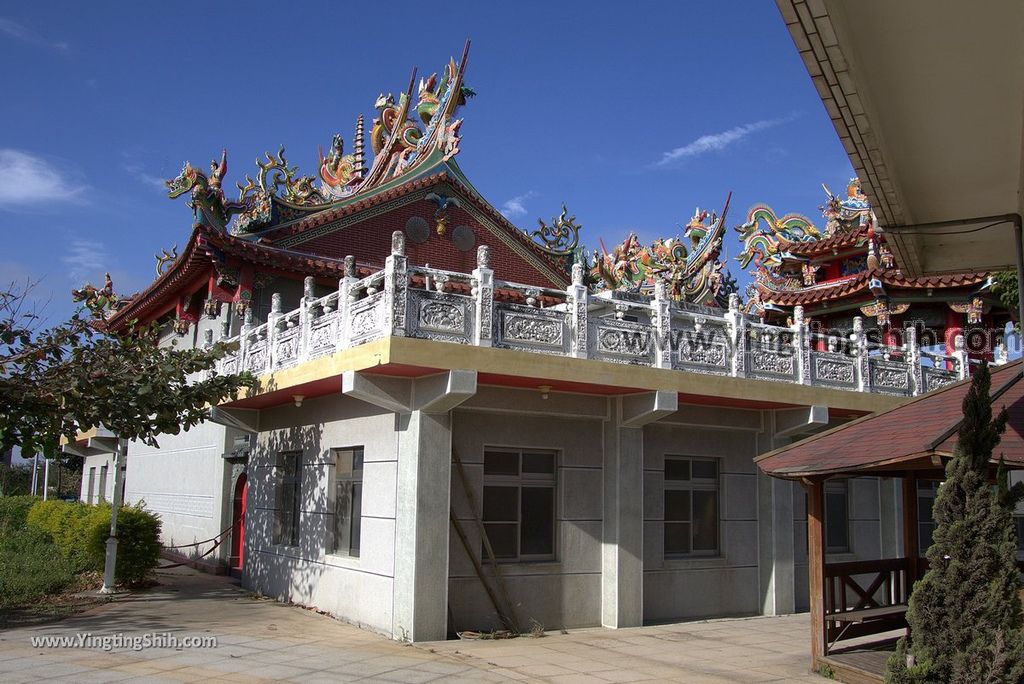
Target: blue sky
{"points": [[632, 117]]}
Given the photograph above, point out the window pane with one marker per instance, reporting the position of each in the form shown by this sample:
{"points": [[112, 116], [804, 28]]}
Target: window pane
{"points": [[342, 517], [705, 521], [503, 539], [1018, 522], [537, 533], [501, 504], [357, 513], [677, 505], [705, 470], [836, 525], [924, 531], [539, 463], [677, 538], [677, 469], [925, 504], [501, 463], [349, 462]]}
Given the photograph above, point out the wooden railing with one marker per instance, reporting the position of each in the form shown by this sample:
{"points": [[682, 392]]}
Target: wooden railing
{"points": [[865, 597]]}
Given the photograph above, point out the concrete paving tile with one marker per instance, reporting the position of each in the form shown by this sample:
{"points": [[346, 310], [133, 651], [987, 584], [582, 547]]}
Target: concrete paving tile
{"points": [[576, 678], [621, 676]]}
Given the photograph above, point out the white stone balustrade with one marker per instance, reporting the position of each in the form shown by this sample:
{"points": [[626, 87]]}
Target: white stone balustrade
{"points": [[427, 303]]}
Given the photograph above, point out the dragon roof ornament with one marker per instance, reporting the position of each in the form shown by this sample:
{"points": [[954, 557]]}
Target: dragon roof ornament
{"points": [[400, 144], [689, 267]]}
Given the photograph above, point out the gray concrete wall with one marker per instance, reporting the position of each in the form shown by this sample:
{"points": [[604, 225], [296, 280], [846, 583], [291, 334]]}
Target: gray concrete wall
{"points": [[720, 585], [565, 592], [184, 481], [359, 590]]}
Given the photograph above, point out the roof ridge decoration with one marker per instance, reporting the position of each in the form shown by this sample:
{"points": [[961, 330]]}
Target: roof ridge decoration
{"points": [[693, 274], [401, 146]]}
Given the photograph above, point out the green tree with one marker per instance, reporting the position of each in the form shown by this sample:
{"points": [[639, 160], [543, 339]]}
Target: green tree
{"points": [[58, 381], [1006, 289], [965, 614]]}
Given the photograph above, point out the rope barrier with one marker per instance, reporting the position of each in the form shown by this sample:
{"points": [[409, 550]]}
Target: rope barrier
{"points": [[218, 540]]}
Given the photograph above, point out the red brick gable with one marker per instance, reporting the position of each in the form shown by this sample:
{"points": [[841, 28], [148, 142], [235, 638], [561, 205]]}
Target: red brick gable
{"points": [[369, 241]]}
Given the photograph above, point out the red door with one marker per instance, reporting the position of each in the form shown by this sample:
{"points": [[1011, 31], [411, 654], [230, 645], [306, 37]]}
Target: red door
{"points": [[238, 522]]}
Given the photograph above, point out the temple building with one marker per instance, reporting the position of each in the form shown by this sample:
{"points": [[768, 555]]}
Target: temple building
{"points": [[847, 270], [464, 426]]}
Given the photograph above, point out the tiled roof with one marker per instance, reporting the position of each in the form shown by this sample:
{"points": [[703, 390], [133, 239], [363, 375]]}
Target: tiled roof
{"points": [[837, 241], [904, 437], [892, 278]]}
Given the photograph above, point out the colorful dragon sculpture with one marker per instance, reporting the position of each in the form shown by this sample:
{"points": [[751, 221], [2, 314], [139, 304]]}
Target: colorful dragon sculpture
{"points": [[765, 236], [208, 203], [845, 214], [399, 143], [692, 274]]}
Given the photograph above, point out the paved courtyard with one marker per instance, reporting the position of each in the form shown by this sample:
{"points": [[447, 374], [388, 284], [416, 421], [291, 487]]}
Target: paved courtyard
{"points": [[261, 640]]}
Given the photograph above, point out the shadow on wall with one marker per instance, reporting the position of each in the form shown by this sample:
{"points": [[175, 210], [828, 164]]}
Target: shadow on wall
{"points": [[273, 564]]}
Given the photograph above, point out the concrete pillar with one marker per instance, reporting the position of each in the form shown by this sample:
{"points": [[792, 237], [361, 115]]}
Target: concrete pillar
{"points": [[423, 417], [775, 545], [421, 527], [622, 553]]}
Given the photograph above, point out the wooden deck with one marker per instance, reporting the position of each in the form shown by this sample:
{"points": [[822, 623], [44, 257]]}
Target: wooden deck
{"points": [[860, 664]]}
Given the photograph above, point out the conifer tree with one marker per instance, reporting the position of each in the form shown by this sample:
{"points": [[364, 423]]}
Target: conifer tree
{"points": [[965, 614]]}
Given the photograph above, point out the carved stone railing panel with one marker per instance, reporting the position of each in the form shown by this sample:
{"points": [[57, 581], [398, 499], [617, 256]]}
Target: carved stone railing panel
{"points": [[707, 350], [833, 370], [889, 377], [621, 341], [531, 329], [286, 348], [772, 364], [934, 378], [366, 319], [323, 334], [441, 316]]}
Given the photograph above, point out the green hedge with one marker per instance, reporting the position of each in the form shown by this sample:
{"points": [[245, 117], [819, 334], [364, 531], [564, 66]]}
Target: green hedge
{"points": [[30, 566], [80, 533], [14, 510]]}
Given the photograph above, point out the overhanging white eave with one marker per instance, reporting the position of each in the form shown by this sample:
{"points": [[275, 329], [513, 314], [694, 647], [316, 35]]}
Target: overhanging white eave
{"points": [[927, 98]]}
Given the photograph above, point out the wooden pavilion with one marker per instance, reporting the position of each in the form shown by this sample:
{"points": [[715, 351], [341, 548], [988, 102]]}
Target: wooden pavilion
{"points": [[912, 442]]}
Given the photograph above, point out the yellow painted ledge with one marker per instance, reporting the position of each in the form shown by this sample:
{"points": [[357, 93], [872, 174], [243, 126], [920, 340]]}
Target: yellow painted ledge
{"points": [[447, 356]]}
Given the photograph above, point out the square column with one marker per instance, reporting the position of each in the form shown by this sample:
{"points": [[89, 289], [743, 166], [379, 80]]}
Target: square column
{"points": [[421, 527], [622, 553], [775, 545]]}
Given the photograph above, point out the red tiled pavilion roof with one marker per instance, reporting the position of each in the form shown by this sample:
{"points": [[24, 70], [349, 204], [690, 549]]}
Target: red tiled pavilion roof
{"points": [[836, 241], [891, 278], [907, 437]]}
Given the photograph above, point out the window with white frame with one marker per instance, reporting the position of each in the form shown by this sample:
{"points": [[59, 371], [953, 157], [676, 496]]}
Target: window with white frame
{"points": [[519, 503], [837, 516], [347, 491], [289, 498], [89, 493], [103, 484], [691, 506]]}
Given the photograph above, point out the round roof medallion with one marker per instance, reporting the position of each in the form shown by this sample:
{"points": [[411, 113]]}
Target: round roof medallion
{"points": [[464, 238], [417, 229]]}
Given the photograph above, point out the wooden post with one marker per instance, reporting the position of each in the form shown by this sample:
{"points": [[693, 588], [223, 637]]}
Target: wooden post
{"points": [[816, 566], [910, 541]]}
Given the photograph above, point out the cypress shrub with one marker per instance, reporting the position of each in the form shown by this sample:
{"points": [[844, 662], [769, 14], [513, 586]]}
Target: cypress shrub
{"points": [[965, 614]]}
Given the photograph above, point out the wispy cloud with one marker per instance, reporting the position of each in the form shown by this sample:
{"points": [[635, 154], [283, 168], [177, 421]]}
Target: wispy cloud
{"points": [[517, 205], [85, 260], [26, 35], [714, 142], [31, 180], [139, 172]]}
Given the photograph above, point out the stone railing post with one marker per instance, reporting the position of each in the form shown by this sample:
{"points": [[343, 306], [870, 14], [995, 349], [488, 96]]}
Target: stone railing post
{"points": [[483, 294], [860, 355], [737, 326], [913, 359], [306, 316], [396, 287], [661, 308], [801, 346], [963, 361], [345, 298], [273, 321], [243, 339], [578, 299]]}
